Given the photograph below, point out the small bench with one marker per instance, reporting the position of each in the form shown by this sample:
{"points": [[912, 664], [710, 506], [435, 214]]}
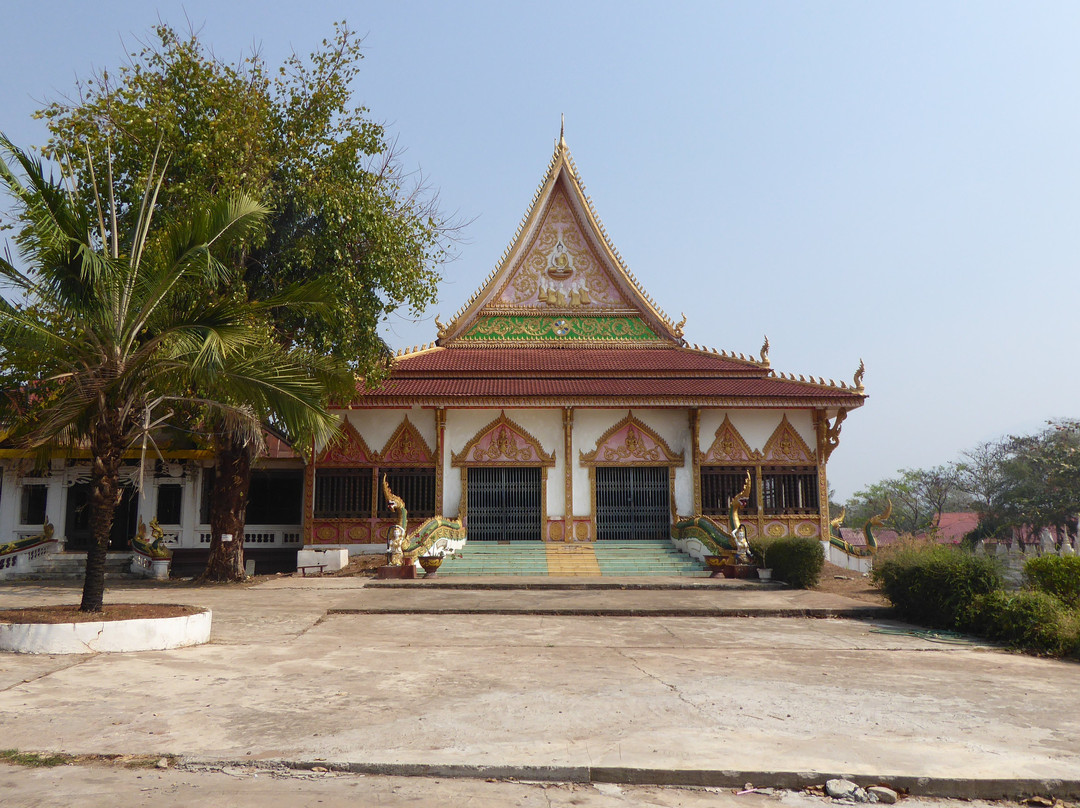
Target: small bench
{"points": [[306, 567]]}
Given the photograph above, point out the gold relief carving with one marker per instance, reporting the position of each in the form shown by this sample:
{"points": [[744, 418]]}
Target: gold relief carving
{"points": [[581, 531], [555, 531], [503, 442], [775, 530], [348, 450], [358, 533], [633, 443], [787, 446], [806, 530], [832, 433], [406, 447], [559, 268], [326, 533], [729, 446]]}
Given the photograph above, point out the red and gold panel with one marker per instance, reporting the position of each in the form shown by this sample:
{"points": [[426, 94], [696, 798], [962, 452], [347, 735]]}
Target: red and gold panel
{"points": [[348, 450], [729, 447], [406, 447]]}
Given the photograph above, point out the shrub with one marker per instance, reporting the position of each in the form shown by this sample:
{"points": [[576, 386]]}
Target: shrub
{"points": [[933, 584], [1030, 620], [1057, 575], [759, 549], [794, 560]]}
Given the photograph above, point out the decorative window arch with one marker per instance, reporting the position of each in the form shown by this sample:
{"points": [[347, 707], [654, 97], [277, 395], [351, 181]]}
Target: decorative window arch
{"points": [[406, 447], [786, 447], [729, 448], [503, 443], [348, 450], [631, 443]]}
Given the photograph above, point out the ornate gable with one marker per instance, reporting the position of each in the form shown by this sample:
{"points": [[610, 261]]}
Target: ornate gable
{"points": [[729, 447], [348, 450], [561, 279], [631, 443], [406, 447], [787, 446], [503, 443]]}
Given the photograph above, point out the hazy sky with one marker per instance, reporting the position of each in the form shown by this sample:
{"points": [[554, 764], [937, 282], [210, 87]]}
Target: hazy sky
{"points": [[893, 181]]}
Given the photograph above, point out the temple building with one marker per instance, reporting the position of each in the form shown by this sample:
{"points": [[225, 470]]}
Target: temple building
{"points": [[562, 404]]}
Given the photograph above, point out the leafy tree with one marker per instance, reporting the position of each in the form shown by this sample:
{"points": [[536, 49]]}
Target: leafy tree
{"points": [[100, 332], [1040, 479], [918, 496], [343, 212]]}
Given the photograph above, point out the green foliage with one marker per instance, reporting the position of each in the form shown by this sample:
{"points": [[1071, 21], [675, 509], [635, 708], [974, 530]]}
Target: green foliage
{"points": [[918, 495], [932, 584], [1030, 620], [292, 137], [44, 760], [796, 561], [1056, 575]]}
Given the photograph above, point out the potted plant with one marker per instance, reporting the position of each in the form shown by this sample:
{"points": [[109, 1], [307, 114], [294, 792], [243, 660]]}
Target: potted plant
{"points": [[431, 563], [761, 552]]}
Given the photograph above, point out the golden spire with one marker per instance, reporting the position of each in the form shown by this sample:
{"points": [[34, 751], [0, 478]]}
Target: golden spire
{"points": [[562, 130]]}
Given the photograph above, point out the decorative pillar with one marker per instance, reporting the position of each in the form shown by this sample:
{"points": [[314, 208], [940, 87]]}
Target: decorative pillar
{"points": [[821, 425], [568, 473], [440, 441], [695, 460]]}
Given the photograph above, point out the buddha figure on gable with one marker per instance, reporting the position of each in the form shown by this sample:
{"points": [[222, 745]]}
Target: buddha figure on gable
{"points": [[561, 284]]}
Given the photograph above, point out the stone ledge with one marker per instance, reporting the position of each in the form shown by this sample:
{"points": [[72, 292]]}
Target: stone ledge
{"points": [[111, 636]]}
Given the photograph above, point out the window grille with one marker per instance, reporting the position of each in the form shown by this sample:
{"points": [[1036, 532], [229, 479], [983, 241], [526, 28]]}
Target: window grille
{"points": [[632, 503], [415, 486], [343, 493], [791, 491], [504, 503], [720, 483]]}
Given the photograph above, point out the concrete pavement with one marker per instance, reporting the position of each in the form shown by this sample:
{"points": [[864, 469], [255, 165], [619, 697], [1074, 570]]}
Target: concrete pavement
{"points": [[510, 686]]}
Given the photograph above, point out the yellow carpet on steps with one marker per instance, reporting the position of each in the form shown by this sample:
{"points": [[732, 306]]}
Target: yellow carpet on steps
{"points": [[572, 560]]}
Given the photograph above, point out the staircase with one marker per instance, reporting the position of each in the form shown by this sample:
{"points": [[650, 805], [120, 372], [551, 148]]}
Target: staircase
{"points": [[573, 560], [72, 566]]}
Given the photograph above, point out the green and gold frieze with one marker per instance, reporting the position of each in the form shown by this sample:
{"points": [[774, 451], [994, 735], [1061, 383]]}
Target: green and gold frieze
{"points": [[561, 329]]}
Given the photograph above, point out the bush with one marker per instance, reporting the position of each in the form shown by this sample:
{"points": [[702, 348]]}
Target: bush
{"points": [[795, 561], [934, 584], [1029, 620], [1057, 575]]}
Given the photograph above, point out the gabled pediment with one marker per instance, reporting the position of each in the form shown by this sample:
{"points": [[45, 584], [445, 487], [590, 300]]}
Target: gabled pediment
{"points": [[561, 279], [785, 445], [503, 443], [348, 450], [632, 443], [728, 447], [406, 447]]}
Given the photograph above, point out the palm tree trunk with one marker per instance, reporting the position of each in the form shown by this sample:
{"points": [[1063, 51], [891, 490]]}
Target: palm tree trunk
{"points": [[228, 509], [106, 448]]}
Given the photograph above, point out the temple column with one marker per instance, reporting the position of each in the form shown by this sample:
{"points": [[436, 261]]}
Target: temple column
{"points": [[695, 460], [568, 473], [440, 441]]}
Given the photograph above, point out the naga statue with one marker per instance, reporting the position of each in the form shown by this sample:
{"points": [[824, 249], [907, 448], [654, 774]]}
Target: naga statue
{"points": [[403, 547], [155, 547], [868, 532], [46, 534], [718, 541]]}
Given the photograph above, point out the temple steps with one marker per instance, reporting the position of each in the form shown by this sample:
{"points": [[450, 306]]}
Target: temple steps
{"points": [[585, 559], [72, 566]]}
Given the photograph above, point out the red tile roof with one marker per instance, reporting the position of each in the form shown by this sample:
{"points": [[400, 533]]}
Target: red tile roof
{"points": [[560, 373]]}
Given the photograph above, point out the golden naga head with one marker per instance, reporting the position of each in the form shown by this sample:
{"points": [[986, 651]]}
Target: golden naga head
{"points": [[838, 520], [393, 501], [879, 520]]}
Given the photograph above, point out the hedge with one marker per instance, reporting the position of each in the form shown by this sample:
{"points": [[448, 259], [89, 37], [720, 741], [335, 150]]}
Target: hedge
{"points": [[796, 561], [933, 584], [1056, 575], [1030, 620]]}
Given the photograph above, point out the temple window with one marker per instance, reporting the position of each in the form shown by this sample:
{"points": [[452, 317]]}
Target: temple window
{"points": [[276, 497], [343, 493], [720, 483], [170, 499], [416, 486], [32, 508], [790, 491]]}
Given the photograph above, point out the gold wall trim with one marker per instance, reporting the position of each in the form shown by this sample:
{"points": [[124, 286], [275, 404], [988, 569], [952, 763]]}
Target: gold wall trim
{"points": [[632, 452], [786, 447], [503, 449]]}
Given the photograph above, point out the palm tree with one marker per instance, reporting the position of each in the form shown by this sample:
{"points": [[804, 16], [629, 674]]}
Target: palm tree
{"points": [[105, 329]]}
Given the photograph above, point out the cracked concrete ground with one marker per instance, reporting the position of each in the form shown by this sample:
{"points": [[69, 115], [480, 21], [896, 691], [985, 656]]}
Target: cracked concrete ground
{"points": [[284, 680]]}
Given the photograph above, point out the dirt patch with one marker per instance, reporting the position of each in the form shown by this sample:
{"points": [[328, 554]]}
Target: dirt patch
{"points": [[364, 565], [111, 612], [839, 581]]}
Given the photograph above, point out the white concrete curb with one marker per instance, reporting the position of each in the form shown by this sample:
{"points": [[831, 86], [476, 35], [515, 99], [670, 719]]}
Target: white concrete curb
{"points": [[110, 636]]}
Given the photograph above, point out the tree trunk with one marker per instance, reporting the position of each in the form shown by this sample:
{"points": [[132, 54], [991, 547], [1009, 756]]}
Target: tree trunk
{"points": [[106, 447], [228, 509]]}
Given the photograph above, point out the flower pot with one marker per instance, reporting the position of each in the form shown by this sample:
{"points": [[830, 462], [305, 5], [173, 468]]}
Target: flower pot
{"points": [[764, 574], [430, 564]]}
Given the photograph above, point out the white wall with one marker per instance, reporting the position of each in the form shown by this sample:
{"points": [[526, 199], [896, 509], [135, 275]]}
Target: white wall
{"points": [[376, 426]]}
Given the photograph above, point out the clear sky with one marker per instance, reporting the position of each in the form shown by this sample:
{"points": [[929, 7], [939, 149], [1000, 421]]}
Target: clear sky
{"points": [[897, 181]]}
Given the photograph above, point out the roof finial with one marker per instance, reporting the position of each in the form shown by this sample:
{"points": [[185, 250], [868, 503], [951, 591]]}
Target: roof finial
{"points": [[562, 129]]}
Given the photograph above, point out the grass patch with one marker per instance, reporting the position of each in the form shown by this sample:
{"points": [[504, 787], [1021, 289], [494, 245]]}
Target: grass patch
{"points": [[35, 759], [45, 760]]}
